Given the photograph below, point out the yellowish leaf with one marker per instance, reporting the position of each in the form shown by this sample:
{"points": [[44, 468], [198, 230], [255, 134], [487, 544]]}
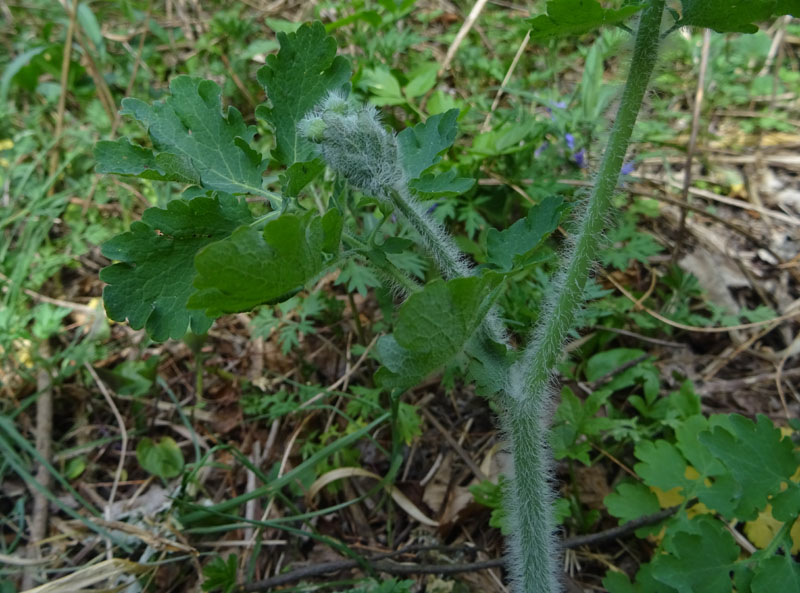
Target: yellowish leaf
{"points": [[669, 498], [762, 529]]}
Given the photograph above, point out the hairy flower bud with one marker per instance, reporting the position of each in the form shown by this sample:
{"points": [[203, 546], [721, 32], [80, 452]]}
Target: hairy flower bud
{"points": [[312, 128], [354, 143]]}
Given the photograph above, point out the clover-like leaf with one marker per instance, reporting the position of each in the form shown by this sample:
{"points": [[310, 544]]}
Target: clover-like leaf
{"points": [[575, 17], [421, 145], [509, 247], [700, 561], [631, 500], [296, 79], [253, 267], [163, 459], [432, 327], [662, 466], [151, 284], [195, 141], [728, 16], [756, 456]]}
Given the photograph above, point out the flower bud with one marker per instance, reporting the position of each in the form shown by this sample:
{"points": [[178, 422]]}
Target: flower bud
{"points": [[354, 143]]}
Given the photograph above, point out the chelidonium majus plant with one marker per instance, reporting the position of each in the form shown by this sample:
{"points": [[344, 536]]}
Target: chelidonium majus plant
{"points": [[207, 253]]}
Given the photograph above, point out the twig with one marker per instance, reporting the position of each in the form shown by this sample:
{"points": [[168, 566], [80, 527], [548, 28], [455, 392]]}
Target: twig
{"points": [[58, 302], [44, 446], [454, 444], [341, 380], [779, 374], [602, 380], [62, 99], [103, 91], [630, 334], [124, 435], [719, 363], [621, 530], [238, 82], [775, 46], [697, 328], [380, 563], [662, 196], [134, 71], [709, 195], [509, 73], [733, 385], [687, 172], [462, 33], [639, 189]]}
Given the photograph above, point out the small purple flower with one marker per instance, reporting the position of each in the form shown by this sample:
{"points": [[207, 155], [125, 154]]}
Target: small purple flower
{"points": [[542, 147], [570, 140], [627, 168], [556, 105], [580, 158], [432, 208]]}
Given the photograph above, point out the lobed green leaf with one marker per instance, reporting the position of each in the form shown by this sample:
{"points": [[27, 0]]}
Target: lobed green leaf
{"points": [[296, 79], [758, 459], [662, 466], [194, 140], [421, 145], [631, 500], [575, 17], [778, 573], [151, 284], [252, 267], [121, 157], [729, 16], [510, 247], [432, 327], [442, 185], [700, 561]]}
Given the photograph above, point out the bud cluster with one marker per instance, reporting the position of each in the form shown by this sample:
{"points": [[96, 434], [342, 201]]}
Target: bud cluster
{"points": [[354, 143]]}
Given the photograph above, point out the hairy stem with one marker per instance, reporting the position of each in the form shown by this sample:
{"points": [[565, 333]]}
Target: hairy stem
{"points": [[449, 258], [435, 237], [533, 555]]}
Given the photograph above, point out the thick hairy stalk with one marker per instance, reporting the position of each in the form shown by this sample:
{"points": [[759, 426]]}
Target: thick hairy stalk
{"points": [[533, 553]]}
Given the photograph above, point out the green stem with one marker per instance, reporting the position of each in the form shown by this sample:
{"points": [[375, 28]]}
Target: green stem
{"points": [[451, 261], [533, 554], [400, 278], [436, 239], [357, 319], [562, 307]]}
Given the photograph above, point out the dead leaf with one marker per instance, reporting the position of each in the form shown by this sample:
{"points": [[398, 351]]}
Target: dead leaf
{"points": [[80, 580], [349, 472]]}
